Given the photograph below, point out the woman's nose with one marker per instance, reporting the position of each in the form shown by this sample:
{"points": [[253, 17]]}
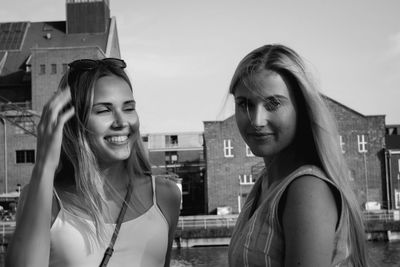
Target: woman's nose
{"points": [[259, 116], [119, 120]]}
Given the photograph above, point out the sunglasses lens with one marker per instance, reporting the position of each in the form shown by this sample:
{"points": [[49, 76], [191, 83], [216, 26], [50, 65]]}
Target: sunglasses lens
{"points": [[116, 62], [83, 64], [90, 64]]}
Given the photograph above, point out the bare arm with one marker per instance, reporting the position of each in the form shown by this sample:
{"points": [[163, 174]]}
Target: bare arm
{"points": [[309, 221], [30, 245], [169, 197]]}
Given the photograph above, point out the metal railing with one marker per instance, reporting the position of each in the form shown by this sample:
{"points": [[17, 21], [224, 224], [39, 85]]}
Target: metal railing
{"points": [[7, 105], [218, 221], [206, 221], [382, 215]]}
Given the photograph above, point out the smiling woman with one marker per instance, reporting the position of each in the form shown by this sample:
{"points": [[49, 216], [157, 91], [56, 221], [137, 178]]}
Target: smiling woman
{"points": [[113, 123], [92, 200]]}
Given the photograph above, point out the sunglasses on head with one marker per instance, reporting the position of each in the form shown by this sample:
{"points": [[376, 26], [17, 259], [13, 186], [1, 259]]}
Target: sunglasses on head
{"points": [[91, 64]]}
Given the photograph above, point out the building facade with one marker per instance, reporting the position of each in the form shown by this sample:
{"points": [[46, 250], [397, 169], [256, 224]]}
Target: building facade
{"points": [[392, 154], [180, 156], [232, 169], [33, 58]]}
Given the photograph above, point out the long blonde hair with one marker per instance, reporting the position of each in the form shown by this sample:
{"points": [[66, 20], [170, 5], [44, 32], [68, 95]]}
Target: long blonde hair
{"points": [[321, 133], [78, 163]]}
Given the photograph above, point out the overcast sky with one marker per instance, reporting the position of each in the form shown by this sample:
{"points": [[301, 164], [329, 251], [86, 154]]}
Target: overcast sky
{"points": [[181, 54]]}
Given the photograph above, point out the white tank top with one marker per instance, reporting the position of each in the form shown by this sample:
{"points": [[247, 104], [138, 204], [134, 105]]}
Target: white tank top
{"points": [[141, 242]]}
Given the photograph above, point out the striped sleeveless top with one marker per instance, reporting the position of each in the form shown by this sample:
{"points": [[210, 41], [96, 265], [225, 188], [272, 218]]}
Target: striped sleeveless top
{"points": [[258, 240]]}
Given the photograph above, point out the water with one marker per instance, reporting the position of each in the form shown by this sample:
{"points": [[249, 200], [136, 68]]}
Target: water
{"points": [[382, 254], [200, 256]]}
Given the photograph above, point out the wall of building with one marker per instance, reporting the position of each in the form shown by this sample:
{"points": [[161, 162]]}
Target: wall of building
{"points": [[17, 173], [223, 185], [393, 169], [45, 84], [367, 167]]}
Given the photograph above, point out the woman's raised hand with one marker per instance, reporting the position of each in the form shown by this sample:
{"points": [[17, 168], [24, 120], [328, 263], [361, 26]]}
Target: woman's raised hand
{"points": [[55, 114]]}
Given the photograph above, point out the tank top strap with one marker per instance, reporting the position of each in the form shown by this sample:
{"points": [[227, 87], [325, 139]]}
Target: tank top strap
{"points": [[57, 198], [153, 185]]}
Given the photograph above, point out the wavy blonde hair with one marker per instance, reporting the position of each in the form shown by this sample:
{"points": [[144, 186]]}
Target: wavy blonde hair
{"points": [[321, 133], [78, 163]]}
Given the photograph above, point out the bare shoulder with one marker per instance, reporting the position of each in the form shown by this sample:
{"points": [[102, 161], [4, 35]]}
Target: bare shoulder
{"points": [[167, 189], [309, 221], [311, 197], [168, 197]]}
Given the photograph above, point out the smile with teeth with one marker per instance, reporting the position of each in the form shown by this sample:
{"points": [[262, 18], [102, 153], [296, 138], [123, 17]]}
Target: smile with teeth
{"points": [[120, 139]]}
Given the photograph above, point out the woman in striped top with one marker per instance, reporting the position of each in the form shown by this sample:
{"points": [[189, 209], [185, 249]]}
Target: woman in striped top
{"points": [[302, 210]]}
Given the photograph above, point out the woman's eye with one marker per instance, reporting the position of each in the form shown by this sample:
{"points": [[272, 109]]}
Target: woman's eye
{"points": [[272, 104], [241, 104], [101, 110], [129, 109]]}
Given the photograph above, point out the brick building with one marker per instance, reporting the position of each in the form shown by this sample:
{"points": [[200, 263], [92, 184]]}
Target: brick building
{"points": [[180, 155], [392, 154], [33, 58], [232, 169]]}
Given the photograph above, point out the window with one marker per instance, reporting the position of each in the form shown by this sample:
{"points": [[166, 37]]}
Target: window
{"points": [[341, 144], [25, 156], [361, 144], [397, 198], [171, 140], [145, 139], [53, 68], [246, 179], [248, 152], [228, 148], [42, 69], [28, 125], [398, 164], [171, 157]]}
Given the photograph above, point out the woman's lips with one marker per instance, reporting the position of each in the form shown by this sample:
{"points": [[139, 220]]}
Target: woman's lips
{"points": [[117, 139], [260, 136]]}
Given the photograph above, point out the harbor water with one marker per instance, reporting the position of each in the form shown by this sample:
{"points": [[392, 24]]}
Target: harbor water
{"points": [[382, 254]]}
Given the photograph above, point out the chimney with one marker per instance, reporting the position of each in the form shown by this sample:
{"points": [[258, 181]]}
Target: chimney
{"points": [[87, 16]]}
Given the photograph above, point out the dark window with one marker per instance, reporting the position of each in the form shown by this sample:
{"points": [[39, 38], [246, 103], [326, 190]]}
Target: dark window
{"points": [[171, 140], [53, 68], [145, 139], [25, 156]]}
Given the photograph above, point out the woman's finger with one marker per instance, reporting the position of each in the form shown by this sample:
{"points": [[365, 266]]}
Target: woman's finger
{"points": [[60, 102], [66, 116]]}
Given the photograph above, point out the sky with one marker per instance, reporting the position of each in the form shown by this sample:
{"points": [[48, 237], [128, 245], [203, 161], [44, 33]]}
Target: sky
{"points": [[181, 54]]}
